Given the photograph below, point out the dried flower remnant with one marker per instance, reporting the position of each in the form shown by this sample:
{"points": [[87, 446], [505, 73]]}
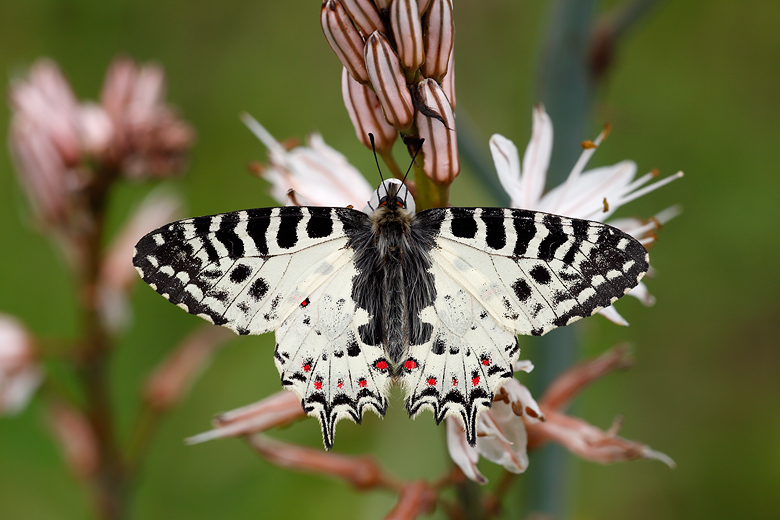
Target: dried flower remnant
{"points": [[20, 374], [583, 194], [317, 172]]}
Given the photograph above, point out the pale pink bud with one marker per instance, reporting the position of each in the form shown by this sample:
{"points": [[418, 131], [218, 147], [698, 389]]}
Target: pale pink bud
{"points": [[439, 35], [416, 499], [360, 471], [448, 82], [173, 378], [366, 115], [388, 81], [344, 39], [440, 148], [118, 87], [279, 409], [589, 442], [19, 373], [423, 5], [365, 15], [76, 438], [405, 21], [96, 128]]}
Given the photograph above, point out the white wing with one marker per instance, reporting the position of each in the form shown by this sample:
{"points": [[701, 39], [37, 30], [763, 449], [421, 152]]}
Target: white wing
{"points": [[321, 358]]}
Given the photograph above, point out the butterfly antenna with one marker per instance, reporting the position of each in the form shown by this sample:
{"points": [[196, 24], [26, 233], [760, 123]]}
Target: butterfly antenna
{"points": [[376, 160], [403, 181]]}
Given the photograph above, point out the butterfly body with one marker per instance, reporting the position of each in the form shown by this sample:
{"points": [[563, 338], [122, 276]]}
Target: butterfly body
{"points": [[431, 300]]}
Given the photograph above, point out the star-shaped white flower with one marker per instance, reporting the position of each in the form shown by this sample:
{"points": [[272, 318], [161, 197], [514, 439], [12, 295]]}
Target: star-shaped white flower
{"points": [[594, 194]]}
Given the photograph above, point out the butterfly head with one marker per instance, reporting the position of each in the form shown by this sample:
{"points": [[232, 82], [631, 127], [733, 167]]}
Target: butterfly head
{"points": [[392, 193]]}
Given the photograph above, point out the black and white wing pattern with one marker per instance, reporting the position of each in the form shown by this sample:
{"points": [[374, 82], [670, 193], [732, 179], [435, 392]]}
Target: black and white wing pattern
{"points": [[284, 269], [501, 272], [433, 300]]}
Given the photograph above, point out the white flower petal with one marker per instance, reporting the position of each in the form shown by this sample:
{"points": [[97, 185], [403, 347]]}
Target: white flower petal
{"points": [[507, 161], [536, 159], [613, 315], [461, 453]]}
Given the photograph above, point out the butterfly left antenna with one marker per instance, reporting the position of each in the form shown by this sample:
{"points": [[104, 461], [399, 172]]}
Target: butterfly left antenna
{"points": [[376, 160]]}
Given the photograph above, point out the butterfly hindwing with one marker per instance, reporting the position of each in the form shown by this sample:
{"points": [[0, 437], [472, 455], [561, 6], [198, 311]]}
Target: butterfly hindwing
{"points": [[321, 357], [468, 356]]}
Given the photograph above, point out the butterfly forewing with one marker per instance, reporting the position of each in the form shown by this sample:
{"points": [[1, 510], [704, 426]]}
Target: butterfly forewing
{"points": [[246, 270]]}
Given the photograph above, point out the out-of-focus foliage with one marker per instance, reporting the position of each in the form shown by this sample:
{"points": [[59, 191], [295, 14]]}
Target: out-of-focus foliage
{"points": [[693, 87]]}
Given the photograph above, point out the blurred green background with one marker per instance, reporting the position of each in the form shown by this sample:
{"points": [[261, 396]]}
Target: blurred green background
{"points": [[695, 86]]}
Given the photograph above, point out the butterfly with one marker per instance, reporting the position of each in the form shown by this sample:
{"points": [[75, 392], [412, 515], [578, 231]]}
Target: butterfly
{"points": [[359, 300]]}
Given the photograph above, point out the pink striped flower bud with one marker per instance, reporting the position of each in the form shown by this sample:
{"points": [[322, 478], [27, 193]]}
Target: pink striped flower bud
{"points": [[388, 81], [440, 148], [344, 38], [448, 82], [383, 4], [405, 20], [439, 35], [365, 15], [365, 111], [423, 5]]}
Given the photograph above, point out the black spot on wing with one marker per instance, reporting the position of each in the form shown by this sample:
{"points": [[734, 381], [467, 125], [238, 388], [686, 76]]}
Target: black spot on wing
{"points": [[525, 229], [257, 226], [540, 274], [320, 223], [463, 223], [226, 234], [240, 273], [555, 237], [287, 236], [494, 226], [259, 289]]}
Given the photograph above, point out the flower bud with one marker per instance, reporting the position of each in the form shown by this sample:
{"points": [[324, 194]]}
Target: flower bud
{"points": [[439, 35], [365, 15], [423, 6], [344, 38], [448, 82], [405, 20], [440, 148], [388, 81], [365, 112], [383, 4], [76, 438], [20, 375]]}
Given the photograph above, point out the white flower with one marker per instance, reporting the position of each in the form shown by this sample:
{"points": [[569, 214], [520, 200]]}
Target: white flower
{"points": [[594, 194], [501, 431], [317, 173]]}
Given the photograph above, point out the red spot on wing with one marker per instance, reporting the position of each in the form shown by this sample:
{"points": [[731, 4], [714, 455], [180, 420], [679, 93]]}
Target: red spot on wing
{"points": [[410, 364], [362, 383], [341, 383], [475, 380], [486, 361], [381, 365], [307, 367], [305, 302], [318, 385], [454, 381], [431, 381]]}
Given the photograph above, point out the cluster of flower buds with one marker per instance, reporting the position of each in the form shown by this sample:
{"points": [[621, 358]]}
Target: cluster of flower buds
{"points": [[62, 146], [398, 74], [20, 373]]}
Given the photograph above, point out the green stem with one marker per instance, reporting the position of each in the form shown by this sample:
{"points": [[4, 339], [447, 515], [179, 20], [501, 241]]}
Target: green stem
{"points": [[392, 165]]}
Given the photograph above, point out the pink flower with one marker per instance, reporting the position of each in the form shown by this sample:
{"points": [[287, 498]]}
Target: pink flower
{"points": [[20, 374]]}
